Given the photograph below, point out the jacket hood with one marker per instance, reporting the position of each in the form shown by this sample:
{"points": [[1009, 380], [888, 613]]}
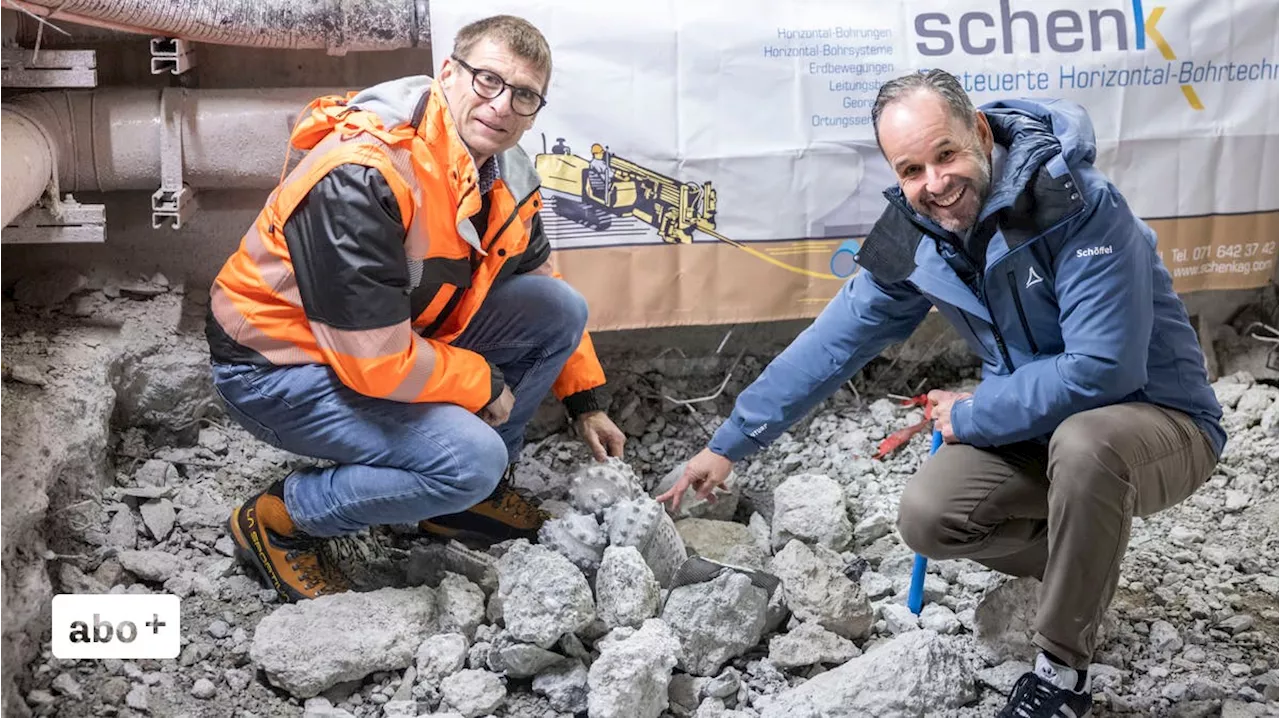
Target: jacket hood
{"points": [[1036, 133], [1054, 134], [394, 101]]}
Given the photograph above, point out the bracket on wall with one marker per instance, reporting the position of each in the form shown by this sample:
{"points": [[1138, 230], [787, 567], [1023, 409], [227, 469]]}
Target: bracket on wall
{"points": [[174, 201], [171, 54], [20, 67], [76, 223]]}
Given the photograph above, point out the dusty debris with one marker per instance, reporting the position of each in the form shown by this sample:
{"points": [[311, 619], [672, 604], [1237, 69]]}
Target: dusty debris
{"points": [[146, 468], [310, 646]]}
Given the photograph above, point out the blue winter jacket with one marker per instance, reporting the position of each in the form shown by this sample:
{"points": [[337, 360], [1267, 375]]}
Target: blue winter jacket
{"points": [[1073, 311]]}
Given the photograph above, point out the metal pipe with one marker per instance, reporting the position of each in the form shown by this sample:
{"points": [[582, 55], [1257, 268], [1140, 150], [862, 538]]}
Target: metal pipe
{"points": [[27, 166], [338, 26], [109, 139]]}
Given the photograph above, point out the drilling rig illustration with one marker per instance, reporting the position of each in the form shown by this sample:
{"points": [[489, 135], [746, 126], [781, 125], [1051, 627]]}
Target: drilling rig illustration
{"points": [[593, 191]]}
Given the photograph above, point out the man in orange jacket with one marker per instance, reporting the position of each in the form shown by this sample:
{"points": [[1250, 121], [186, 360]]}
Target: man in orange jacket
{"points": [[394, 310]]}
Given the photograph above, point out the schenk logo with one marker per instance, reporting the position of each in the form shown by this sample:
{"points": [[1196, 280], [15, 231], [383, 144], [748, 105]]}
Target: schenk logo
{"points": [[1025, 26], [1033, 30]]}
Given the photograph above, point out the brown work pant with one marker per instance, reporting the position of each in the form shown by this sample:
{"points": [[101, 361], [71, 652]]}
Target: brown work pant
{"points": [[1060, 513]]}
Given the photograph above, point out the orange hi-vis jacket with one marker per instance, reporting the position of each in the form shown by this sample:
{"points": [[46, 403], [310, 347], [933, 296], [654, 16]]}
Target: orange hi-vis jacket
{"points": [[383, 310]]}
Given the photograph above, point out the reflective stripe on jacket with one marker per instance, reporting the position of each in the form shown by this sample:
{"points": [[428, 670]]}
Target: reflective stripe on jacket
{"points": [[382, 311]]}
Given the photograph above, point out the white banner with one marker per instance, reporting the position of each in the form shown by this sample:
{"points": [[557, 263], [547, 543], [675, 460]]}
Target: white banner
{"points": [[746, 123]]}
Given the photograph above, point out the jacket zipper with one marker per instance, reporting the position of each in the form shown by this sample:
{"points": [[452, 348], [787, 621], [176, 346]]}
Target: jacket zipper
{"points": [[452, 304], [1022, 315], [995, 328]]}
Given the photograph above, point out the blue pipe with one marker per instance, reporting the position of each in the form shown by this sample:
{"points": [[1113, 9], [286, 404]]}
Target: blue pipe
{"points": [[915, 596]]}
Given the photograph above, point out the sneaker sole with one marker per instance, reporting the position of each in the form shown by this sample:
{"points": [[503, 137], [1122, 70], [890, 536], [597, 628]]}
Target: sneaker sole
{"points": [[246, 554]]}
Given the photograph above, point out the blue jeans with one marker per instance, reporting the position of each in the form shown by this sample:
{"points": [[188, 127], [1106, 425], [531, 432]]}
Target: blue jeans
{"points": [[399, 463]]}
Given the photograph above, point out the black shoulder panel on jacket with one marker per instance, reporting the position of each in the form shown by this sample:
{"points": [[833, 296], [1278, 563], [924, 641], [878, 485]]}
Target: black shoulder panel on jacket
{"points": [[539, 247], [346, 241], [1044, 202], [889, 251]]}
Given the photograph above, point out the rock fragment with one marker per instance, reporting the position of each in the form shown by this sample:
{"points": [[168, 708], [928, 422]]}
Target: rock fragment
{"points": [[544, 596]]}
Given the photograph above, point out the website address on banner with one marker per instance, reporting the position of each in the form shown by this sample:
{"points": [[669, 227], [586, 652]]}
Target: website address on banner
{"points": [[1213, 267]]}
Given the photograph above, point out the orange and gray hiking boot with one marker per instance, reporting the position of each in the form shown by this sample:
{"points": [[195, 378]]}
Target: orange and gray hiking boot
{"points": [[503, 516], [286, 558]]}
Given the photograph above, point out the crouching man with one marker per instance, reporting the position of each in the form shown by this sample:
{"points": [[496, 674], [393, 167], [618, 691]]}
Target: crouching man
{"points": [[1094, 406], [394, 311]]}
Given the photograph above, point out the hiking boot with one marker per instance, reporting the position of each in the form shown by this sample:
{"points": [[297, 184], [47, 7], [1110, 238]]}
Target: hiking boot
{"points": [[286, 558], [1050, 691], [505, 515]]}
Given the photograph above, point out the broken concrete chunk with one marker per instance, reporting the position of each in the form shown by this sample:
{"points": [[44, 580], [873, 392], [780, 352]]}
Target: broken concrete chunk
{"points": [[322, 708], [543, 595], [309, 646], [810, 644], [155, 566], [138, 698], [66, 685], [460, 605], [123, 530], [1164, 638], [631, 676], [916, 674], [1254, 401], [73, 580], [811, 508], [159, 517], [939, 619], [564, 685], [716, 621], [155, 472], [440, 656], [816, 588], [1004, 617], [723, 541], [873, 527], [1237, 624], [473, 693], [898, 618], [627, 593], [519, 660]]}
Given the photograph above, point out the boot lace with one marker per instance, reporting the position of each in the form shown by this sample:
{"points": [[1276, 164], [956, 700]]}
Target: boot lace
{"points": [[510, 500], [306, 559]]}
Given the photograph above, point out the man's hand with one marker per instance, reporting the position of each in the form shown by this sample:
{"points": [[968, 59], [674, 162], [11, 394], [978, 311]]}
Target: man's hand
{"points": [[600, 434], [939, 406], [705, 472], [497, 412]]}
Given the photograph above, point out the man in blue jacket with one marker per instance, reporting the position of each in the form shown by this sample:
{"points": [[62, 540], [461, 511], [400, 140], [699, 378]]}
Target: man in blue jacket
{"points": [[1094, 406]]}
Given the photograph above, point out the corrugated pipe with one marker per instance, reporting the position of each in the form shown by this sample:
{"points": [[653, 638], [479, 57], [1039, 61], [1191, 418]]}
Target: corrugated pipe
{"points": [[110, 139], [337, 26]]}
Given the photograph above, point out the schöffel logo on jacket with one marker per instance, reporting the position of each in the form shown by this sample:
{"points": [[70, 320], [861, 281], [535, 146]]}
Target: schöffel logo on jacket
{"points": [[1094, 251]]}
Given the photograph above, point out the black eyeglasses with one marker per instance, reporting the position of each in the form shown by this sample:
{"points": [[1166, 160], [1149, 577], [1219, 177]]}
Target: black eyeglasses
{"points": [[490, 86]]}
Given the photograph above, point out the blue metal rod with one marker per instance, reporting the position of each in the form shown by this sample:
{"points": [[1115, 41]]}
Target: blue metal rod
{"points": [[915, 596]]}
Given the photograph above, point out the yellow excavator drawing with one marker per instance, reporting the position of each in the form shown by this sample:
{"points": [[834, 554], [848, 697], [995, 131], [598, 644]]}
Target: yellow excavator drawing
{"points": [[593, 191]]}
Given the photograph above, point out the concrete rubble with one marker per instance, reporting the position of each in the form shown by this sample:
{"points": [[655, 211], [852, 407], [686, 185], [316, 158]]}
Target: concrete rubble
{"points": [[122, 469]]}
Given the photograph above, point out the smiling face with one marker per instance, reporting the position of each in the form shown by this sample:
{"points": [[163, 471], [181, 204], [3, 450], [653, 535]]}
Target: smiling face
{"points": [[489, 127], [942, 165]]}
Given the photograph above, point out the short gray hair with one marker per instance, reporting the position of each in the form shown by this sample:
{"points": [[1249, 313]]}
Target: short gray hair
{"points": [[939, 82]]}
